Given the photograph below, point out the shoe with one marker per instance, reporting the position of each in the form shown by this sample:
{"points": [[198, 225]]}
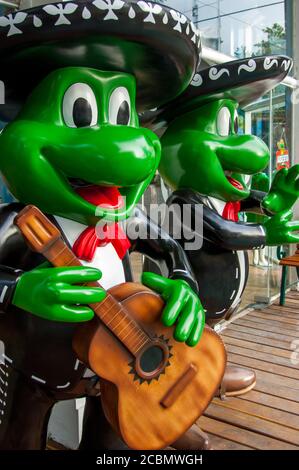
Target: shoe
{"points": [[193, 439], [236, 381]]}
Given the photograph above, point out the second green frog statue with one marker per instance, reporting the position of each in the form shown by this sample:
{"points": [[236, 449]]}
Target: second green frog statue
{"points": [[204, 158]]}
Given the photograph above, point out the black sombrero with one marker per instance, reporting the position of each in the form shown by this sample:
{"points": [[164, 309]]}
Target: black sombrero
{"points": [[156, 44], [243, 80]]}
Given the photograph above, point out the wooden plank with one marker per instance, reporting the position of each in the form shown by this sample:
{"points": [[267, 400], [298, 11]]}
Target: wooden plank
{"points": [[293, 293], [284, 374], [265, 334], [294, 305], [281, 313], [268, 328], [278, 324], [287, 310], [288, 369], [242, 436], [268, 416], [293, 302], [271, 315], [253, 423], [218, 443], [257, 347], [231, 333], [276, 389], [272, 385], [272, 401], [261, 411]]}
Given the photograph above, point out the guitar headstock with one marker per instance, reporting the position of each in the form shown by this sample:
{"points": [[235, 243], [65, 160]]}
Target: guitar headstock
{"points": [[37, 229]]}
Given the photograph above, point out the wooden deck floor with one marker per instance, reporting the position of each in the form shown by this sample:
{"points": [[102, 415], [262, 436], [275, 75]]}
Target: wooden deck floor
{"points": [[268, 416]]}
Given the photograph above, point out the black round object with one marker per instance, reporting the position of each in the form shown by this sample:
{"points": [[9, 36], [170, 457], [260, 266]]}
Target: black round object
{"points": [[151, 359], [82, 113], [123, 115]]}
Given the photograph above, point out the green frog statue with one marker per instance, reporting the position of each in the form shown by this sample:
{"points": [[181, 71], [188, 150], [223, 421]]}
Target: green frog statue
{"points": [[75, 74], [204, 160]]}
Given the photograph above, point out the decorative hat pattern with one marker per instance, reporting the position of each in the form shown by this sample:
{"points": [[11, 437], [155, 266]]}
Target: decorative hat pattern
{"points": [[244, 81], [156, 44]]}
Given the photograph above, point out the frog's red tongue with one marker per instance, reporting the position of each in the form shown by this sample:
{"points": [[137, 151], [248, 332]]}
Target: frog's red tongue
{"points": [[235, 183], [104, 196]]}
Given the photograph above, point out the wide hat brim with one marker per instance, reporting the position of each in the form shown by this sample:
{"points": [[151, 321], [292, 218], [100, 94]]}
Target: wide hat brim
{"points": [[157, 45], [243, 81]]}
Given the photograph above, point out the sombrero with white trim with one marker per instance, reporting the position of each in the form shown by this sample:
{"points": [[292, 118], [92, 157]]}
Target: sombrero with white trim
{"points": [[243, 80], [156, 44]]}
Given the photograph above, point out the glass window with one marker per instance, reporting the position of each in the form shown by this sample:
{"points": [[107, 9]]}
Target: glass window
{"points": [[247, 28]]}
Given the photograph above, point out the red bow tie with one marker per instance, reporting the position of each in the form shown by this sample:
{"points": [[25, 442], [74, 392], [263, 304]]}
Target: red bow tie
{"points": [[231, 211], [86, 244]]}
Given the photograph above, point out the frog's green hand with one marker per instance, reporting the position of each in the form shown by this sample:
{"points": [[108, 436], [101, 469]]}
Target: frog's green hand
{"points": [[280, 229], [284, 191], [50, 293], [182, 307]]}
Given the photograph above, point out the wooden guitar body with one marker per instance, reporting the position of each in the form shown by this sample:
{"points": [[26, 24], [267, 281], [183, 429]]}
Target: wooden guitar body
{"points": [[151, 414]]}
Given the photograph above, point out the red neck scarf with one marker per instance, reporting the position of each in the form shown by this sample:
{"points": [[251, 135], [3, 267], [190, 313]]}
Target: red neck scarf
{"points": [[86, 244]]}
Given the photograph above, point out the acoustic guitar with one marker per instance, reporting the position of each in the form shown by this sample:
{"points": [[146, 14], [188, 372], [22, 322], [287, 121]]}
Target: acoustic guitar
{"points": [[152, 387]]}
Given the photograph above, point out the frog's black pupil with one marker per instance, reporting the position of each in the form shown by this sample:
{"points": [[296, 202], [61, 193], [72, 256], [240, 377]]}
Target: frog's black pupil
{"points": [[82, 113], [123, 115], [236, 126]]}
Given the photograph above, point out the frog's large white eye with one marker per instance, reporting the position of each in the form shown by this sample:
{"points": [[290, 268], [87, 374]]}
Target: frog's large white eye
{"points": [[79, 106], [224, 122], [120, 107]]}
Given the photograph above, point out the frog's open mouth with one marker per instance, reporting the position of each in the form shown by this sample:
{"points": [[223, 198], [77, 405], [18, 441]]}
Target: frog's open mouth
{"points": [[108, 197], [235, 183]]}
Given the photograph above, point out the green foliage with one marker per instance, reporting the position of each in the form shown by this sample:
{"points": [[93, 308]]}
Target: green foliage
{"points": [[274, 43]]}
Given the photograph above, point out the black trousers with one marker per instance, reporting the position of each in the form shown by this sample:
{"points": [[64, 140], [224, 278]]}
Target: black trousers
{"points": [[25, 409]]}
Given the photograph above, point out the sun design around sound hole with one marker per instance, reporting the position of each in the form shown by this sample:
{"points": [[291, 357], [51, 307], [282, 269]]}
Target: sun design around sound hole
{"points": [[152, 360]]}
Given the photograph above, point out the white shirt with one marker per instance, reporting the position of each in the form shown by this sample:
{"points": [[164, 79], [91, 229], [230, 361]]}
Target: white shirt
{"points": [[106, 259]]}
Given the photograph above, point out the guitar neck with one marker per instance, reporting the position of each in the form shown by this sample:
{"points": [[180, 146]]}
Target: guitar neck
{"points": [[109, 311]]}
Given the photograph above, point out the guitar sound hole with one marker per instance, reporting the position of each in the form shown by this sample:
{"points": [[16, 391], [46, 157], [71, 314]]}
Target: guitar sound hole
{"points": [[151, 359]]}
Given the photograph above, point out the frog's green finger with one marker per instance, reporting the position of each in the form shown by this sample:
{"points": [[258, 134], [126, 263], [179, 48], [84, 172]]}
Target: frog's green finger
{"points": [[269, 200], [197, 330], [174, 305], [71, 314], [80, 295], [292, 226], [186, 321], [75, 274], [293, 173], [280, 175], [291, 238], [155, 282]]}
